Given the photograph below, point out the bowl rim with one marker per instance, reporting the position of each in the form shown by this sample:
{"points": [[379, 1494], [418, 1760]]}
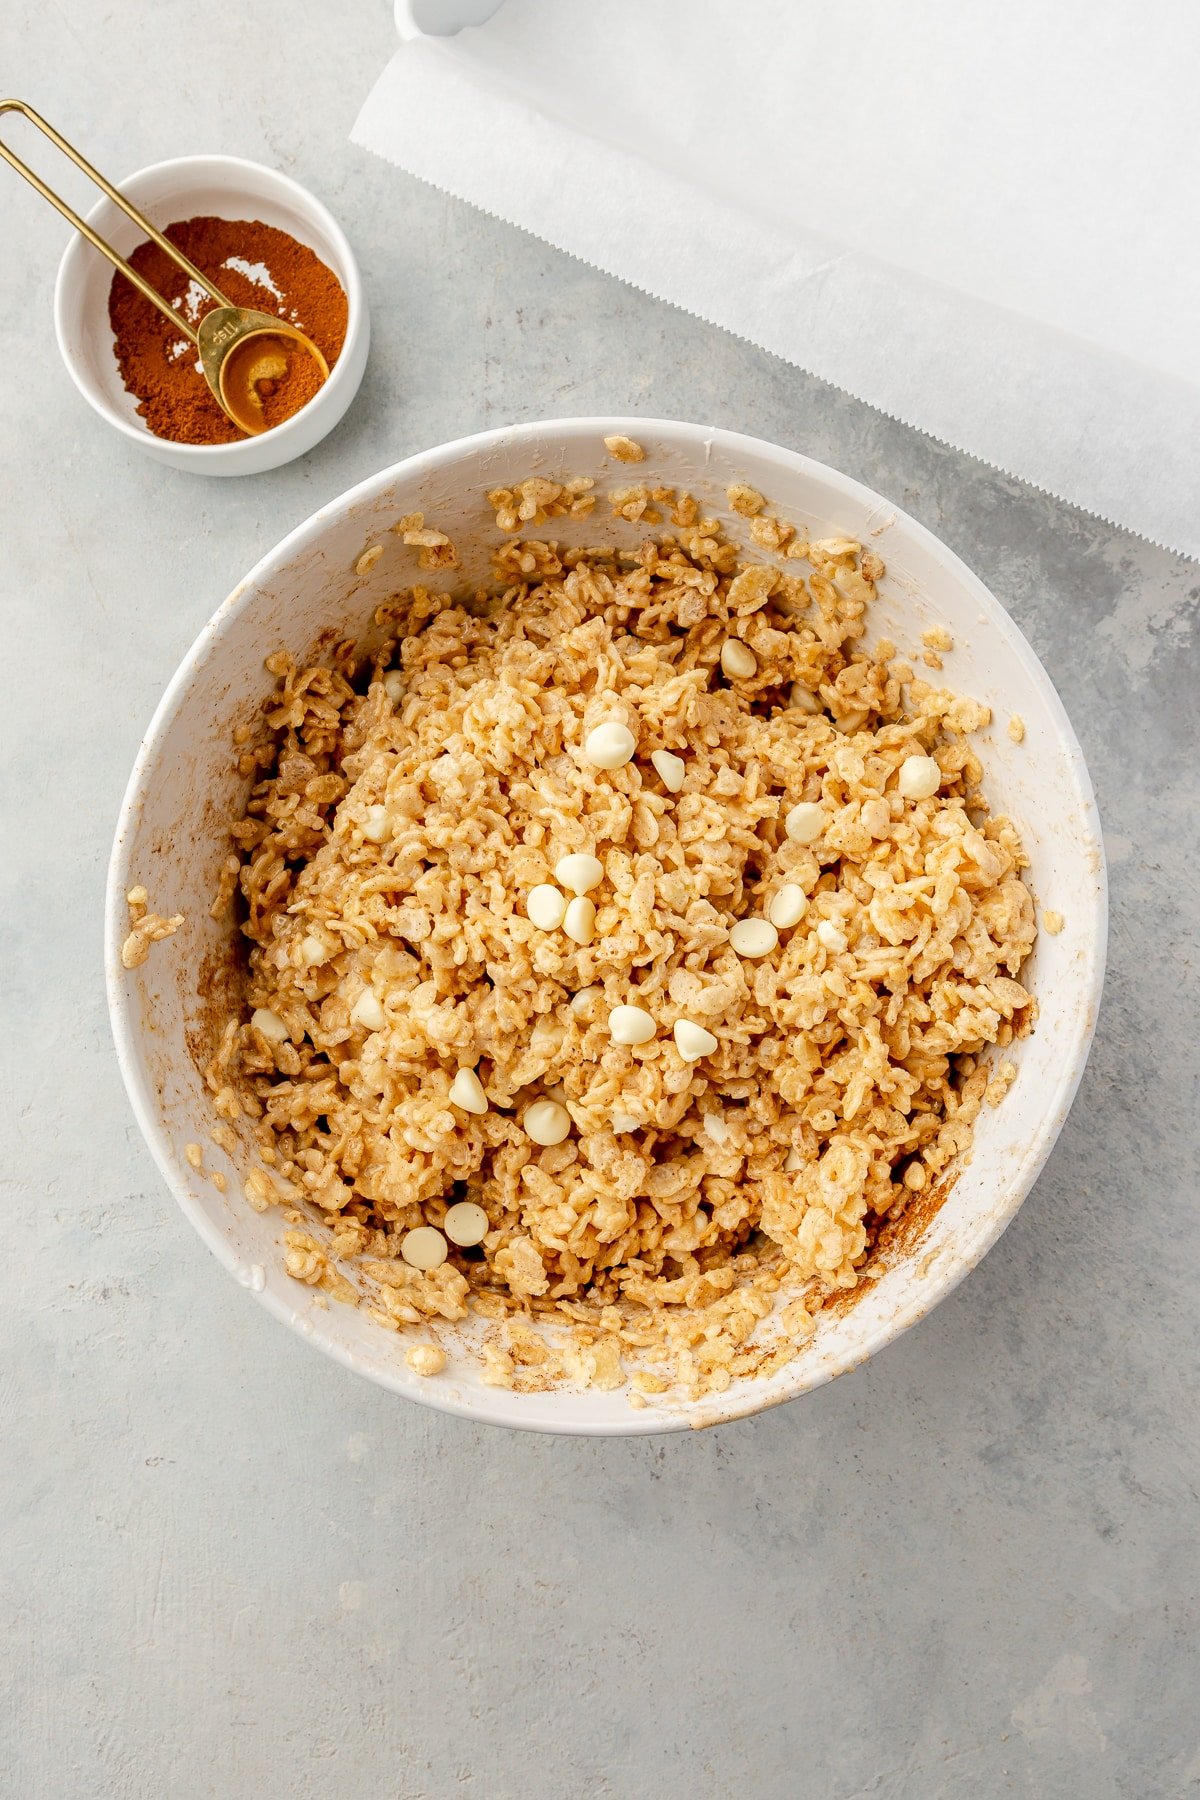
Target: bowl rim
{"points": [[503, 1407], [356, 312]]}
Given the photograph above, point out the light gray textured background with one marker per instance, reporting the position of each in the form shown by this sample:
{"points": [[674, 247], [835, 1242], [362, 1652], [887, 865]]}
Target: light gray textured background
{"points": [[231, 1569]]}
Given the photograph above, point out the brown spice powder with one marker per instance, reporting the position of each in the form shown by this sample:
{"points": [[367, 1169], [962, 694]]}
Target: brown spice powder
{"points": [[292, 379], [159, 364], [296, 389]]}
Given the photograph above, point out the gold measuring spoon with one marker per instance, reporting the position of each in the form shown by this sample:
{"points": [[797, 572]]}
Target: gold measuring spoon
{"points": [[231, 371]]}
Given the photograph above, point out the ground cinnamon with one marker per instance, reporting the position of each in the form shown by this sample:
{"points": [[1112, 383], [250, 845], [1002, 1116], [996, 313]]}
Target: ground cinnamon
{"points": [[254, 265], [280, 399], [275, 375]]}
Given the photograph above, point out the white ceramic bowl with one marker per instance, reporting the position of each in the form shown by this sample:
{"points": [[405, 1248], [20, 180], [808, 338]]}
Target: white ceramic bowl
{"points": [[183, 787], [226, 187]]}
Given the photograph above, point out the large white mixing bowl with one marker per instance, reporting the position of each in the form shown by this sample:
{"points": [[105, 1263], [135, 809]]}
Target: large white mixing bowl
{"points": [[304, 592]]}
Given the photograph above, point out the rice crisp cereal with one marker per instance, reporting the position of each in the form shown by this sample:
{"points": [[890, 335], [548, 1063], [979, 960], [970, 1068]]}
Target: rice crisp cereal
{"points": [[145, 928], [624, 945]]}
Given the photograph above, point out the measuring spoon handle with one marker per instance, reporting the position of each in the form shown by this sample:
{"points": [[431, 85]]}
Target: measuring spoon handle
{"points": [[118, 199]]}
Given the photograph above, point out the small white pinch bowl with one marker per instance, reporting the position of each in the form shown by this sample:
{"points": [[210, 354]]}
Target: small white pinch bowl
{"points": [[225, 187], [305, 594]]}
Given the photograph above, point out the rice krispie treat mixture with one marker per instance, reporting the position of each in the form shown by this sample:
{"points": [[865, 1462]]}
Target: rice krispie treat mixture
{"points": [[623, 946]]}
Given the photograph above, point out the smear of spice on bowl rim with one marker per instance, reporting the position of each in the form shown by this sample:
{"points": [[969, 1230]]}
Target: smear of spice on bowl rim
{"points": [[253, 265]]}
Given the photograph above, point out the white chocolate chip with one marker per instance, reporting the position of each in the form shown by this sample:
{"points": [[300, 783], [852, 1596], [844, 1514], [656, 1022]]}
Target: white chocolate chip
{"points": [[716, 1128], [610, 745], [393, 681], [620, 1121], [671, 769], [580, 921], [754, 937], [376, 826], [788, 906], [424, 1247], [269, 1024], [425, 1359], [793, 1161], [805, 823], [466, 1224], [466, 1090], [546, 1122], [831, 935], [920, 778], [803, 698], [546, 1037], [738, 660], [367, 1011], [630, 1025], [546, 907], [692, 1041], [581, 1003], [312, 950], [579, 873]]}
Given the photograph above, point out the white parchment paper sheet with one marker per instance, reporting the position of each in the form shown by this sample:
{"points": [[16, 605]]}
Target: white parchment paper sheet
{"points": [[980, 220]]}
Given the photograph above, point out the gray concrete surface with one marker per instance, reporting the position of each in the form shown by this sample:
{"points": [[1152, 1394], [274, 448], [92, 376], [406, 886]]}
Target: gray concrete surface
{"points": [[230, 1569]]}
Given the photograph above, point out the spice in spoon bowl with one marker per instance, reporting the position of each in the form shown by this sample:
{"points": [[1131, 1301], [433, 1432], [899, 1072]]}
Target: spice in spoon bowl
{"points": [[267, 378]]}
